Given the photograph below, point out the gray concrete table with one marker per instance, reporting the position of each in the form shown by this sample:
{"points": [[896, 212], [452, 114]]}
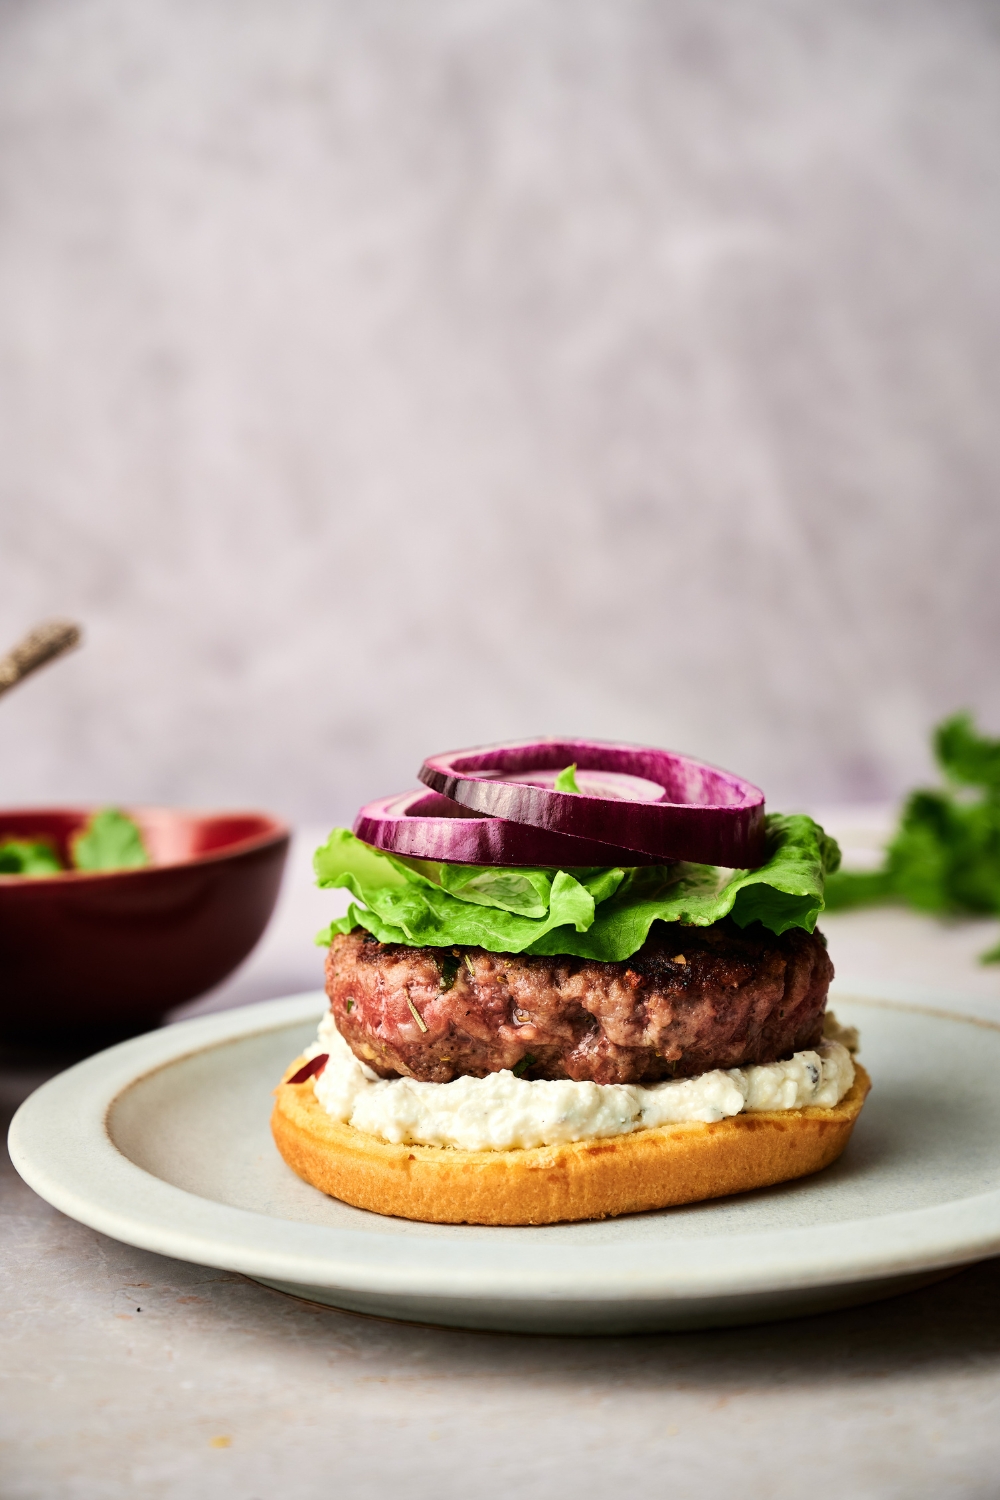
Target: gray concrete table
{"points": [[127, 1374]]}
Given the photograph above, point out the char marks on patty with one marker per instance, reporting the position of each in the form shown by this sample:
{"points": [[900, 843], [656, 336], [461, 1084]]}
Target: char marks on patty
{"points": [[691, 999]]}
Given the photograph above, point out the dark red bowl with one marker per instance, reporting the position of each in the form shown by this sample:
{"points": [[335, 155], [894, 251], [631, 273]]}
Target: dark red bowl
{"points": [[84, 955]]}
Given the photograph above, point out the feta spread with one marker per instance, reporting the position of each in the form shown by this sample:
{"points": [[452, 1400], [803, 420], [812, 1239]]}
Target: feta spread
{"points": [[502, 1112]]}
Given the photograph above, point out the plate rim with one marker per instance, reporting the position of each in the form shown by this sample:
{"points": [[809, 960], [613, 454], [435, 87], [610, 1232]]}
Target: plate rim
{"points": [[87, 1177]]}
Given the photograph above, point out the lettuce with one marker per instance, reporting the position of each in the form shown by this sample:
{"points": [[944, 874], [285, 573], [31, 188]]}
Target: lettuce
{"points": [[602, 914]]}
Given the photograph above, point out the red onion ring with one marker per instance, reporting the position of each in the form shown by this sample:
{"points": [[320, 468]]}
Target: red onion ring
{"points": [[700, 813], [312, 1069], [425, 825]]}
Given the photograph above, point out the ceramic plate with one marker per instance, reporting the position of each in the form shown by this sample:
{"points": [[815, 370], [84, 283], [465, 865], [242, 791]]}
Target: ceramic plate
{"points": [[163, 1142]]}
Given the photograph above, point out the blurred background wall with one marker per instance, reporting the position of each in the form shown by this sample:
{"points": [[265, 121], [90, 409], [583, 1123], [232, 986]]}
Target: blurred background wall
{"points": [[380, 377]]}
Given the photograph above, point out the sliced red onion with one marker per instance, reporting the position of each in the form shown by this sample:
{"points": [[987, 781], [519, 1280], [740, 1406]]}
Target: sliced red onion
{"points": [[312, 1069], [653, 802], [425, 825]]}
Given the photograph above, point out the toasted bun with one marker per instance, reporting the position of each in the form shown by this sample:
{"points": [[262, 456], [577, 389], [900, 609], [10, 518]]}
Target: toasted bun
{"points": [[592, 1179]]}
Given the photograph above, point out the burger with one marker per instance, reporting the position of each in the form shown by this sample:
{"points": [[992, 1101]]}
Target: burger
{"points": [[575, 979]]}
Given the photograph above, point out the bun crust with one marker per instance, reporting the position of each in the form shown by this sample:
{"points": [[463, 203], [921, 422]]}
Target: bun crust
{"points": [[591, 1179]]}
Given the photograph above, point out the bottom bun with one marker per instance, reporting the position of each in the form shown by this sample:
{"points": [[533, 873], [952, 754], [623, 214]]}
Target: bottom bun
{"points": [[591, 1179]]}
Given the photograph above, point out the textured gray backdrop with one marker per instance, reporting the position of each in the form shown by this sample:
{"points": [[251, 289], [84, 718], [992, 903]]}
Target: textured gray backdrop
{"points": [[380, 377]]}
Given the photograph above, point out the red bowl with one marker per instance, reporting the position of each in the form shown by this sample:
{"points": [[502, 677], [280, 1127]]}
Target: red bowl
{"points": [[87, 954]]}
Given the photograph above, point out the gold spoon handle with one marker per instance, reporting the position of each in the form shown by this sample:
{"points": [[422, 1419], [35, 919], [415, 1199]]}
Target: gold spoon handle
{"points": [[44, 643]]}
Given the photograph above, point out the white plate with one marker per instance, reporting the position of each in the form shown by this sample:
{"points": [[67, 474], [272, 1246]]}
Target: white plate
{"points": [[163, 1142]]}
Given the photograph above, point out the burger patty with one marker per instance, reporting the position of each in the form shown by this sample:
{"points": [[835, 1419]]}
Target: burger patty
{"points": [[691, 999]]}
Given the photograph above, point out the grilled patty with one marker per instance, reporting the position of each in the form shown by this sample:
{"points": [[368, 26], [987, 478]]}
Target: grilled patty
{"points": [[691, 999]]}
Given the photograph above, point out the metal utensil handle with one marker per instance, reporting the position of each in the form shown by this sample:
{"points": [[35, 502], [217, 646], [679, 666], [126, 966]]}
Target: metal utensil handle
{"points": [[43, 644]]}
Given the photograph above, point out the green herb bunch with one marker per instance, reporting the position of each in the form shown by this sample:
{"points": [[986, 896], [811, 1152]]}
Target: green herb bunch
{"points": [[944, 857]]}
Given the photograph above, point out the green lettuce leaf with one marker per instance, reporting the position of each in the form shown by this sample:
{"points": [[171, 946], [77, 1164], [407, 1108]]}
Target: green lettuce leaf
{"points": [[603, 914], [110, 841], [786, 891], [527, 893], [425, 903]]}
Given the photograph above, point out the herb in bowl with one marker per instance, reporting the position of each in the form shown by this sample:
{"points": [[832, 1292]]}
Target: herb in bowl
{"points": [[28, 857], [110, 840]]}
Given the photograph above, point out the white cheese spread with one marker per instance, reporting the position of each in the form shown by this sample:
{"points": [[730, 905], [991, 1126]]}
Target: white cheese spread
{"points": [[503, 1113]]}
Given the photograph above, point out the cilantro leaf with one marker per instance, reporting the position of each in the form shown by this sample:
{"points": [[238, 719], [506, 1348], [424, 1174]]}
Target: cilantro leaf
{"points": [[944, 857], [110, 841], [28, 857], [965, 756]]}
